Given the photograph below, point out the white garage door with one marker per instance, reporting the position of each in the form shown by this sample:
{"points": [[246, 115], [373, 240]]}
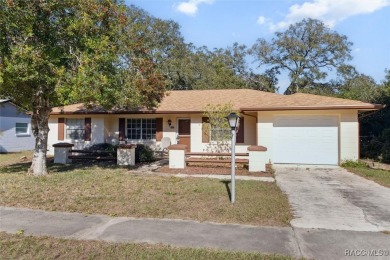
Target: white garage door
{"points": [[305, 139]]}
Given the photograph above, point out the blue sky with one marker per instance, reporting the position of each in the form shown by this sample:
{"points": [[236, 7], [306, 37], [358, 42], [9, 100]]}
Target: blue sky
{"points": [[220, 23]]}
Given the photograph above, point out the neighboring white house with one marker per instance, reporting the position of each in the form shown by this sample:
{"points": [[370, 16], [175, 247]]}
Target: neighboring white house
{"points": [[15, 128], [298, 128]]}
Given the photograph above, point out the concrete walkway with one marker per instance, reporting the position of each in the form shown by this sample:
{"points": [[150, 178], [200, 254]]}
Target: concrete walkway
{"points": [[224, 177], [151, 168], [209, 176], [298, 242]]}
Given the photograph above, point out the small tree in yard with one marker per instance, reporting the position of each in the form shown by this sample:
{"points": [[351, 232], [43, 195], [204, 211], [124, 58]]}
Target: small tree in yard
{"points": [[57, 52], [217, 128]]}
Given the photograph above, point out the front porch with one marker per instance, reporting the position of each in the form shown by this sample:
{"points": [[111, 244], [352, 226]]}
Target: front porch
{"points": [[155, 130]]}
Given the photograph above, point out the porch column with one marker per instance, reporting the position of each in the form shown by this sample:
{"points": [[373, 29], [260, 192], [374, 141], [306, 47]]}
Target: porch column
{"points": [[61, 153], [177, 156], [257, 158]]}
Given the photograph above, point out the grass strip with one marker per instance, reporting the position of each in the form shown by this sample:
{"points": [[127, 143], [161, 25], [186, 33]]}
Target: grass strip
{"points": [[29, 247]]}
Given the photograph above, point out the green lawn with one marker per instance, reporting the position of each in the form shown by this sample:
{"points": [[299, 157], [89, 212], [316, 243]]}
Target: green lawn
{"points": [[28, 247], [381, 177], [115, 191]]}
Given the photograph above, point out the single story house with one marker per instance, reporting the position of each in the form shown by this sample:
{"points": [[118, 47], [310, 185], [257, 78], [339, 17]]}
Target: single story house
{"points": [[298, 128], [15, 128]]}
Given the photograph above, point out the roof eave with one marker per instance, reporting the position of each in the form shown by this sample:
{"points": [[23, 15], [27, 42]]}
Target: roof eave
{"points": [[357, 107], [3, 101], [284, 108], [123, 112]]}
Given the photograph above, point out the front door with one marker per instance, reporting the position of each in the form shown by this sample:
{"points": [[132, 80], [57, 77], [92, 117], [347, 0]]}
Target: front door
{"points": [[184, 132]]}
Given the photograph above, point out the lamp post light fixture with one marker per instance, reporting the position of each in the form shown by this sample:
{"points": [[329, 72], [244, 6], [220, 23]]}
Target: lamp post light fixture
{"points": [[170, 123], [234, 123]]}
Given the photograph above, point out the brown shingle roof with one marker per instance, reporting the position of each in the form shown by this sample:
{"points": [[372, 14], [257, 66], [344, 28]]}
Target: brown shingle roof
{"points": [[197, 100], [301, 101], [241, 99]]}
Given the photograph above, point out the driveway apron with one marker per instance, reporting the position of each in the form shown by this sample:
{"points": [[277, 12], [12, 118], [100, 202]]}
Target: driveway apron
{"points": [[333, 198]]}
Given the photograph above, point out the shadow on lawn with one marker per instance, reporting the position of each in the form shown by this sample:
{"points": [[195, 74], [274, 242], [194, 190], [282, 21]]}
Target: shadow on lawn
{"points": [[228, 189], [80, 165], [22, 167]]}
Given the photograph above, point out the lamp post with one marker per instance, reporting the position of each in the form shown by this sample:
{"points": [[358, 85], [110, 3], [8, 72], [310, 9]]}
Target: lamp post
{"points": [[234, 122]]}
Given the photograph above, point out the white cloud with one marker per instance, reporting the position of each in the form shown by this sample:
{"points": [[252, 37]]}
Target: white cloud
{"points": [[261, 20], [329, 11], [191, 6]]}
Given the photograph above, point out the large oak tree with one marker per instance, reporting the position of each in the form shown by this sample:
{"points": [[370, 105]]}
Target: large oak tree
{"points": [[307, 50], [55, 52]]}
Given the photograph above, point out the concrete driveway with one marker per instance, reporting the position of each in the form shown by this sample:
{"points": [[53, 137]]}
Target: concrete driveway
{"points": [[332, 198]]}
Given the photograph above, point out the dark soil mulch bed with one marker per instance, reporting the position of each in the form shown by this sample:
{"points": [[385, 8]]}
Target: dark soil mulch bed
{"points": [[218, 169]]}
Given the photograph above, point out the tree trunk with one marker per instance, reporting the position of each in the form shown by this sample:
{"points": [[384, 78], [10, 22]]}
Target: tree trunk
{"points": [[40, 129]]}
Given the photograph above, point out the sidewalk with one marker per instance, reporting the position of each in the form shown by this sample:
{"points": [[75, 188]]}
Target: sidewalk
{"points": [[309, 243]]}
